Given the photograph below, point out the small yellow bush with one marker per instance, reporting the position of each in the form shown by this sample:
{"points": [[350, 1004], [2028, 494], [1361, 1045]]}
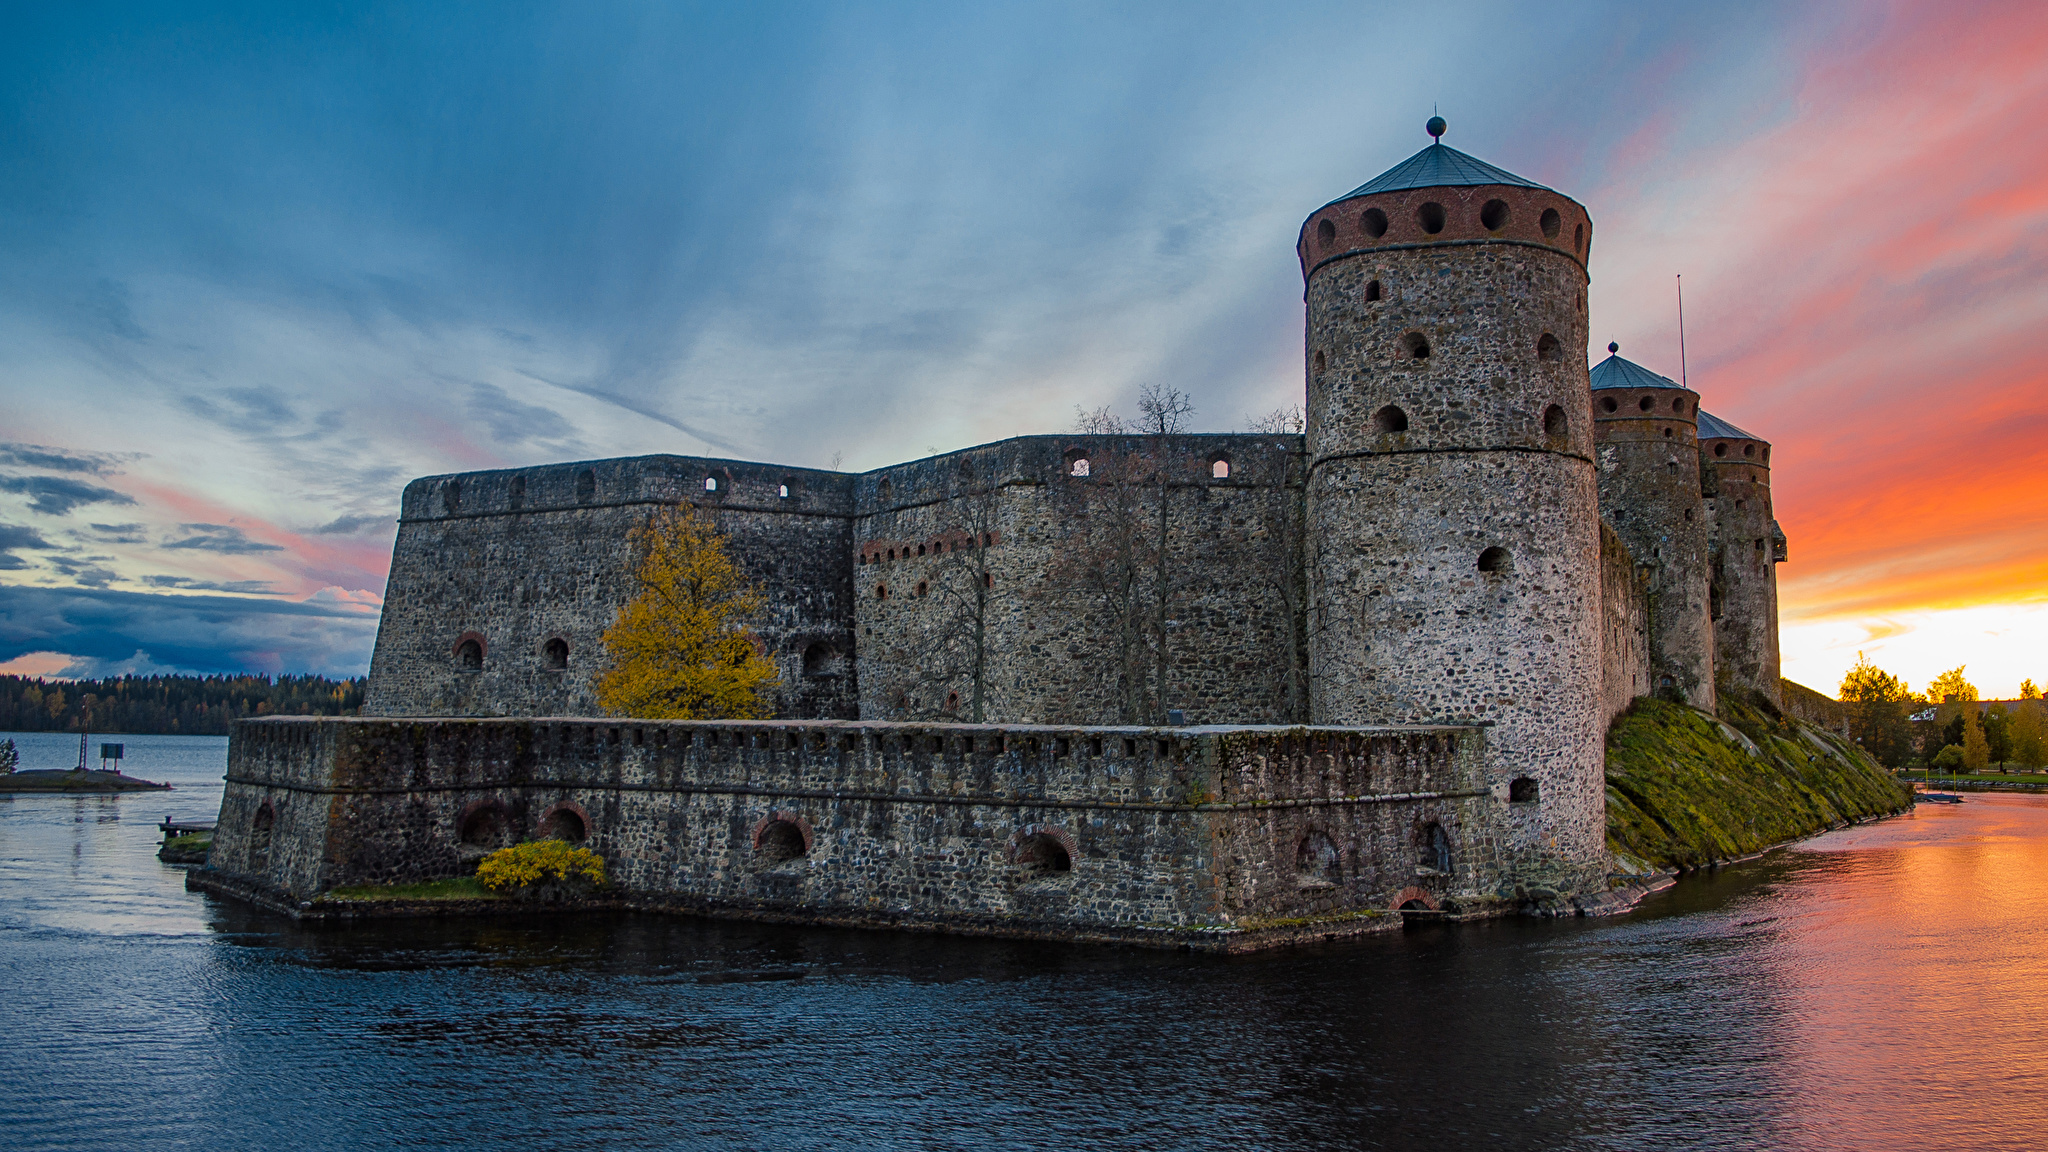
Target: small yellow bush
{"points": [[538, 862]]}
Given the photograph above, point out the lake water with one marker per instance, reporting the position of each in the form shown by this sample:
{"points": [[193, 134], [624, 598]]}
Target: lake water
{"points": [[1882, 987]]}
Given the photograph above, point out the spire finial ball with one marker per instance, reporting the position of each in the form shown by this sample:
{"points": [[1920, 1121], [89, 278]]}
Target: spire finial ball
{"points": [[1436, 126], [1613, 347]]}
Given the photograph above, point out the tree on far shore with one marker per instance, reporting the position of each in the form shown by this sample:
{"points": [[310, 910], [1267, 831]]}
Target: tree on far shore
{"points": [[1976, 749], [1878, 703], [680, 649]]}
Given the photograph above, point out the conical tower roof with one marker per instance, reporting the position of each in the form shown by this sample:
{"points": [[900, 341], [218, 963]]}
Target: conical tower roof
{"points": [[1614, 372], [1438, 166], [1715, 428]]}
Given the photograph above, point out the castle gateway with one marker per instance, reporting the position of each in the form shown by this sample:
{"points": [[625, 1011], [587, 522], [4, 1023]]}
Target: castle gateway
{"points": [[1209, 690]]}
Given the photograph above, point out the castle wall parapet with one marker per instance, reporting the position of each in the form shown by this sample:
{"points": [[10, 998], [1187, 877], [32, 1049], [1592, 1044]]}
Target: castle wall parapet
{"points": [[1216, 837]]}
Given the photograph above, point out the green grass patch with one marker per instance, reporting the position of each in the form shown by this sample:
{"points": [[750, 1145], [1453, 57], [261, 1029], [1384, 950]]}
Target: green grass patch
{"points": [[453, 888], [1686, 789], [190, 842]]}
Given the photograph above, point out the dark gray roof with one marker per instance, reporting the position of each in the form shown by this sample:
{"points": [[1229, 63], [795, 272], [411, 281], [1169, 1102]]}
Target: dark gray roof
{"points": [[1614, 372], [1438, 166], [1715, 428]]}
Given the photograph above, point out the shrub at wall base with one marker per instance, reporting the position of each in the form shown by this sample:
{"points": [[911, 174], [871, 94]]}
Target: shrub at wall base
{"points": [[548, 870]]}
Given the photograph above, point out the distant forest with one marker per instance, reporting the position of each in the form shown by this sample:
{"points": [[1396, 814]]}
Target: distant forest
{"points": [[168, 705]]}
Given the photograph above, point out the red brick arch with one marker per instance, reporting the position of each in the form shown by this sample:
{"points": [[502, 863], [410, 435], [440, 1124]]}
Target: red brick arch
{"points": [[802, 825], [1414, 893], [1065, 838]]}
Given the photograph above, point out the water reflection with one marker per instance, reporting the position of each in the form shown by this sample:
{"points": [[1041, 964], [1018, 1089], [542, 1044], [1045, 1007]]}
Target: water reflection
{"points": [[1869, 989]]}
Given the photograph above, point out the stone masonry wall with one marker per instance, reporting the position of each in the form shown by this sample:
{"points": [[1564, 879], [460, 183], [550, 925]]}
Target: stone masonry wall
{"points": [[516, 559], [1167, 832], [1454, 560], [1002, 550], [1625, 628]]}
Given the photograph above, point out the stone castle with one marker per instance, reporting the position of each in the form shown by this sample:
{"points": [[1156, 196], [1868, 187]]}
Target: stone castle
{"points": [[1221, 689]]}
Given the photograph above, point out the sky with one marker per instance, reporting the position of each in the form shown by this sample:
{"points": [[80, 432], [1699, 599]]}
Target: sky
{"points": [[262, 264]]}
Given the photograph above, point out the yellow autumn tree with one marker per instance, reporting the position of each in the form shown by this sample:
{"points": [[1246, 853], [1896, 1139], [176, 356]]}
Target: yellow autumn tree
{"points": [[680, 649]]}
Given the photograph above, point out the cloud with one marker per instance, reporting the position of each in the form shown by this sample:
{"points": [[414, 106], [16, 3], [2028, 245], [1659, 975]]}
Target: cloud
{"points": [[13, 536], [207, 634], [223, 538], [56, 495], [350, 525], [514, 422], [245, 587], [63, 459], [119, 533], [90, 571]]}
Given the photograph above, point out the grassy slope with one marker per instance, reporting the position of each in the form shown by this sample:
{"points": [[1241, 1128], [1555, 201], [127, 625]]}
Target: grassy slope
{"points": [[1685, 790]]}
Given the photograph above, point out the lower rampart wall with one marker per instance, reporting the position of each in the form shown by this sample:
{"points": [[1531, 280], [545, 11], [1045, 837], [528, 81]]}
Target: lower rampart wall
{"points": [[1210, 837]]}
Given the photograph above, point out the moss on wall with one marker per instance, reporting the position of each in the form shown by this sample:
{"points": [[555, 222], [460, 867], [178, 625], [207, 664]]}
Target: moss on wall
{"points": [[1686, 789]]}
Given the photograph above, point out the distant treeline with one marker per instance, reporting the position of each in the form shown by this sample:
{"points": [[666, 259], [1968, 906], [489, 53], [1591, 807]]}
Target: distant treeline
{"points": [[168, 705]]}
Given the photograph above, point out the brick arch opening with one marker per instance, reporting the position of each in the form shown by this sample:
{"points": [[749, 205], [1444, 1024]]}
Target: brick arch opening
{"points": [[780, 837], [1549, 348], [1043, 850], [485, 824], [1412, 899], [1496, 560], [1219, 467], [1390, 419], [1415, 346], [1077, 462], [565, 820], [1555, 423], [555, 654], [469, 650], [1373, 291]]}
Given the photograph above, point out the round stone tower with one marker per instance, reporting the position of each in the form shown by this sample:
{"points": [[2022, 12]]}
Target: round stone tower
{"points": [[1452, 550], [1746, 548], [1646, 438]]}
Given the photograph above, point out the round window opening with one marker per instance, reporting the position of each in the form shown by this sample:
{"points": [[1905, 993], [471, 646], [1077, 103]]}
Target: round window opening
{"points": [[1646, 403], [1326, 233], [1550, 223], [1431, 217], [1494, 215], [1720, 449], [1374, 222], [1607, 404]]}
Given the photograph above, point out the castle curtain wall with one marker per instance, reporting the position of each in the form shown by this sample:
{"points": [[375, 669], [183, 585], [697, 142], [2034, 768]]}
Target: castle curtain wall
{"points": [[1068, 617]]}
